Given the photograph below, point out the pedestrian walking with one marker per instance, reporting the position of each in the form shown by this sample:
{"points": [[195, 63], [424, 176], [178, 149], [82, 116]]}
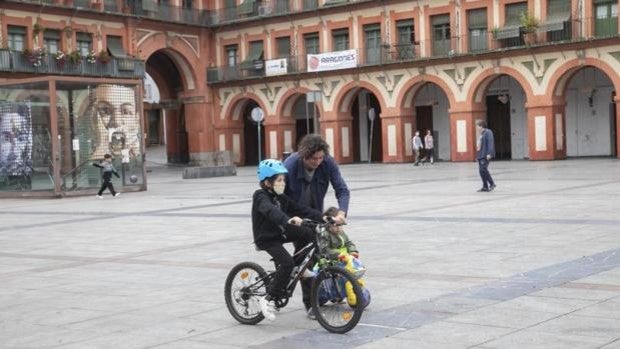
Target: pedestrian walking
{"points": [[486, 151], [108, 170], [416, 146], [429, 144]]}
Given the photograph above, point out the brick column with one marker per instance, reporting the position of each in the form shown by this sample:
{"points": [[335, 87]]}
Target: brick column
{"points": [[397, 132], [199, 131], [463, 131], [279, 136], [337, 130], [617, 116], [546, 131]]}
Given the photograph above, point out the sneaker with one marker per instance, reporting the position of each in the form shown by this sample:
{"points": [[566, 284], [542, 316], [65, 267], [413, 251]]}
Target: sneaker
{"points": [[311, 314], [117, 194], [308, 274], [492, 187], [267, 307], [99, 197], [483, 190]]}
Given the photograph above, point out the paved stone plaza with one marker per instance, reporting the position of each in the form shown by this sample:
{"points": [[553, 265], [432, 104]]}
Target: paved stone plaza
{"points": [[534, 264]]}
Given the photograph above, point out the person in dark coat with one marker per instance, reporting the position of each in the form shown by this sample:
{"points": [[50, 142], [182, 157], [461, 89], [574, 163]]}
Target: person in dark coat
{"points": [[275, 221], [485, 152]]}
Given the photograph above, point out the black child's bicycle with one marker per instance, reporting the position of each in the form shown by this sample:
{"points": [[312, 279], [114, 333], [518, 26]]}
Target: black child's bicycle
{"points": [[247, 282]]}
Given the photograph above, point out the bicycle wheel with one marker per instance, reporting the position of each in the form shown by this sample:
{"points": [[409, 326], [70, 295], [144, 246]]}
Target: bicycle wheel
{"points": [[337, 315], [245, 284]]}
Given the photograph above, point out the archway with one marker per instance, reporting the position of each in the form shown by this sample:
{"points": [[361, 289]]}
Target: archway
{"points": [[431, 113], [165, 119], [506, 117], [367, 136], [591, 121], [250, 135]]}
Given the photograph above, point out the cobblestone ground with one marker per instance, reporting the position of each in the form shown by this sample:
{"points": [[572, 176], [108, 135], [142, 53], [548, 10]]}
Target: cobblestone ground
{"points": [[534, 264]]}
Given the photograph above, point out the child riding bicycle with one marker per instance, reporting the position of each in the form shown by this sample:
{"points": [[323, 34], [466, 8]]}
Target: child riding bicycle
{"points": [[275, 221]]}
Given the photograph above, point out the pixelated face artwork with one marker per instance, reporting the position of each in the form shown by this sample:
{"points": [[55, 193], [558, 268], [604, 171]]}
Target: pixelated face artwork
{"points": [[117, 120], [15, 144]]}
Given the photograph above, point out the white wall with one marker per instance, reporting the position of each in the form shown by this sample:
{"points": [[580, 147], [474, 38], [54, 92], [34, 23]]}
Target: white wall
{"points": [[588, 128], [431, 94]]}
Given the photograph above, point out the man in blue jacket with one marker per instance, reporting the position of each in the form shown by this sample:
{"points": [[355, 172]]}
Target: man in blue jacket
{"points": [[310, 170], [486, 150]]}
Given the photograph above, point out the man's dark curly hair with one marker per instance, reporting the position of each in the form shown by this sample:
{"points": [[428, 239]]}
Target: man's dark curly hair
{"points": [[310, 144]]}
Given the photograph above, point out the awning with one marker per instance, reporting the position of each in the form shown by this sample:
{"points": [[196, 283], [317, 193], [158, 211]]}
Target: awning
{"points": [[149, 5], [49, 34], [554, 22], [249, 61], [507, 32], [335, 2], [115, 46], [246, 8]]}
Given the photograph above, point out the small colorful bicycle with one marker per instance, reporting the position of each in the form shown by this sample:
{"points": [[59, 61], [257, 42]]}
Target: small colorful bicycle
{"points": [[247, 282]]}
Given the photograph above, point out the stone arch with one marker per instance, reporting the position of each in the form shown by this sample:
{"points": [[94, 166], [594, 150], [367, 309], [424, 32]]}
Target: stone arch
{"points": [[409, 90], [484, 79], [236, 105], [560, 78], [344, 99], [288, 99], [179, 51]]}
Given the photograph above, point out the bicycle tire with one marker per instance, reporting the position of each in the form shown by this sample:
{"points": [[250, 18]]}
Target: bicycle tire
{"points": [[329, 313], [245, 298]]}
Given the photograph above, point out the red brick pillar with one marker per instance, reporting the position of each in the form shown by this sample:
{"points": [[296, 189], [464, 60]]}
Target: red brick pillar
{"points": [[546, 131], [463, 135], [397, 130], [337, 130], [617, 116], [199, 131], [279, 137]]}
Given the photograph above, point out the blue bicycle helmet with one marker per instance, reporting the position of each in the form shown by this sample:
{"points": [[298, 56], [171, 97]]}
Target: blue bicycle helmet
{"points": [[269, 168]]}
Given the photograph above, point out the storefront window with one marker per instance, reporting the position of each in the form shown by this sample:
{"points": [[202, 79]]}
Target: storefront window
{"points": [[25, 138], [94, 120]]}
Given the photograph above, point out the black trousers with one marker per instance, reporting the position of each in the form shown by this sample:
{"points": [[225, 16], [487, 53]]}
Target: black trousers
{"points": [[300, 236], [485, 175], [106, 184]]}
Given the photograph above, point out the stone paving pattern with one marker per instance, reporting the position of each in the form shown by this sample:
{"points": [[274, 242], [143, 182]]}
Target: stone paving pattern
{"points": [[534, 264]]}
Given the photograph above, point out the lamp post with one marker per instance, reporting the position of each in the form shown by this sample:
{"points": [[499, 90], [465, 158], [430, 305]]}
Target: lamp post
{"points": [[258, 115], [371, 116]]}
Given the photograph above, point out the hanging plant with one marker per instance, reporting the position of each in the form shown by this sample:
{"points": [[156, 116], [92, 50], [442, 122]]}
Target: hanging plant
{"points": [[37, 28], [68, 32]]}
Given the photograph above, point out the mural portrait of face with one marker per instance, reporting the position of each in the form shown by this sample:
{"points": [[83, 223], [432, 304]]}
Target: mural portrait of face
{"points": [[15, 144], [116, 121]]}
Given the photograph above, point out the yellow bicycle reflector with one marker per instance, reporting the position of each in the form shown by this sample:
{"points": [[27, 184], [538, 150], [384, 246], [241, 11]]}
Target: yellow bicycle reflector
{"points": [[244, 275], [347, 315]]}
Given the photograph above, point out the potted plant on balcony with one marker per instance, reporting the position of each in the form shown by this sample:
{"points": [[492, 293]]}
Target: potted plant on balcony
{"points": [[529, 25], [104, 57], [91, 57], [75, 57], [37, 28], [60, 58], [36, 56]]}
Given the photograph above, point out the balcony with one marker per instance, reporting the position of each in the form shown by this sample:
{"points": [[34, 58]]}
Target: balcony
{"points": [[17, 62], [483, 42], [248, 10]]}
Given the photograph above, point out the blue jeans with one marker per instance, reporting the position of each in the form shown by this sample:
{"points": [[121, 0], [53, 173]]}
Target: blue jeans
{"points": [[483, 168]]}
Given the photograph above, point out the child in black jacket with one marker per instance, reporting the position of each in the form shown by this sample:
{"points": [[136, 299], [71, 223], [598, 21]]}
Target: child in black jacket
{"points": [[275, 221], [108, 170]]}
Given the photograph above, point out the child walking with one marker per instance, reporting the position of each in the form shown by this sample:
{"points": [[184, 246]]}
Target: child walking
{"points": [[108, 170]]}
